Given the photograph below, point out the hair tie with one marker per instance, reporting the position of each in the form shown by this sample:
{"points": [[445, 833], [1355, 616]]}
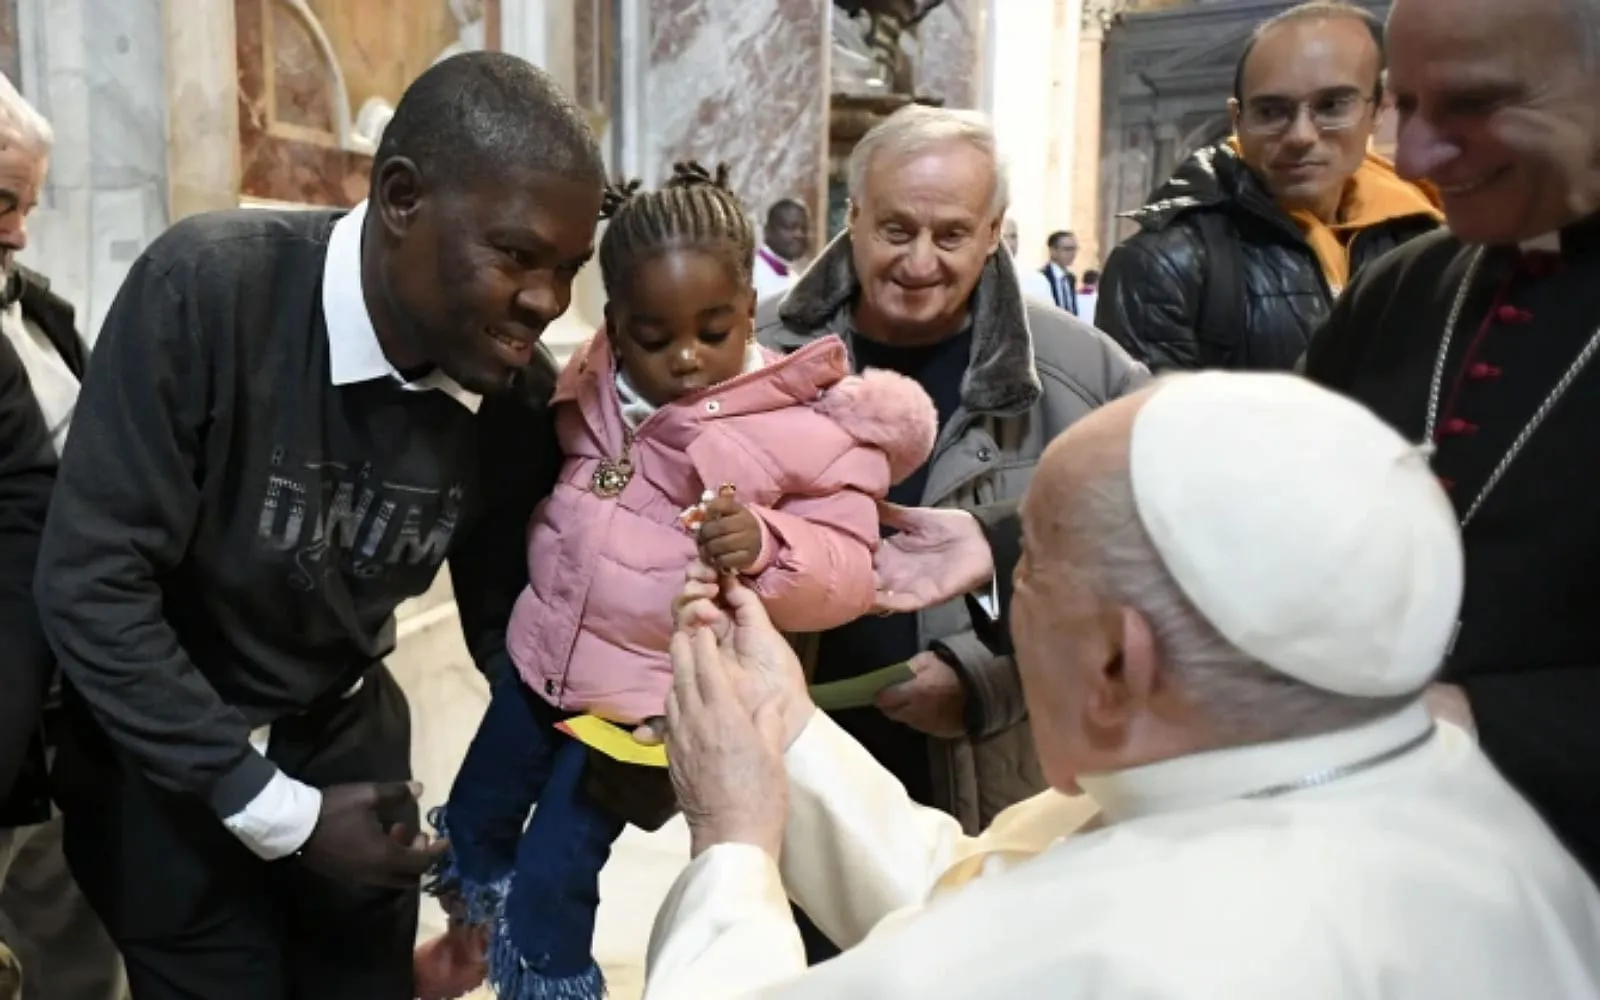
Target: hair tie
{"points": [[690, 173], [617, 195]]}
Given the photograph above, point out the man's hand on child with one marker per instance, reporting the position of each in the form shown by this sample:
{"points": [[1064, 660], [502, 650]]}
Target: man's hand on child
{"points": [[730, 537]]}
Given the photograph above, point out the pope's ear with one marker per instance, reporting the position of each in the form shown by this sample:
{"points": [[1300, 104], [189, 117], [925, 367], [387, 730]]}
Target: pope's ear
{"points": [[1141, 660], [1113, 702]]}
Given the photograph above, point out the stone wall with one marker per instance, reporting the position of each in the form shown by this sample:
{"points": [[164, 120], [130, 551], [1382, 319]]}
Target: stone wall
{"points": [[95, 69]]}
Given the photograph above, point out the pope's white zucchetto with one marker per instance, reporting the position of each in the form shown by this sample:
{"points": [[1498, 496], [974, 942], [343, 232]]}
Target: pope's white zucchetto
{"points": [[1302, 527]]}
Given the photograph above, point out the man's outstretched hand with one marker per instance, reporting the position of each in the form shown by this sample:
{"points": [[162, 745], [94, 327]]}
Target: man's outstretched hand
{"points": [[350, 842], [936, 556]]}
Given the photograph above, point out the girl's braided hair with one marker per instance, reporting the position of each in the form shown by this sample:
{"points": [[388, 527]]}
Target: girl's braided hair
{"points": [[694, 209]]}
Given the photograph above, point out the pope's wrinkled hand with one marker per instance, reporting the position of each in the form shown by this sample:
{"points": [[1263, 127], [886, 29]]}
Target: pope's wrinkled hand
{"points": [[936, 555], [726, 765], [733, 613]]}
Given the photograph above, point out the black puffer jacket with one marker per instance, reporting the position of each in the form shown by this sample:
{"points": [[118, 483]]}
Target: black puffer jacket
{"points": [[1152, 291]]}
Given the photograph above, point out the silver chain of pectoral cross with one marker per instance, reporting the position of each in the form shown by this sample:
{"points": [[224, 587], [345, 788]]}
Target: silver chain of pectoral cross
{"points": [[1521, 440]]}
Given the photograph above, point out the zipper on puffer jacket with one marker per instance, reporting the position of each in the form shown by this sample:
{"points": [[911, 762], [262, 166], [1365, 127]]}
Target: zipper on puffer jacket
{"points": [[560, 692]]}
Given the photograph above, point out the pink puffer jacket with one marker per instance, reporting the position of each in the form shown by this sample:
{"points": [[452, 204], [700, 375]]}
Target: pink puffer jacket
{"points": [[810, 448]]}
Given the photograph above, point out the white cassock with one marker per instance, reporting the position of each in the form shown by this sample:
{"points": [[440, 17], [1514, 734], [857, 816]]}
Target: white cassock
{"points": [[1088, 302], [771, 274], [1421, 876]]}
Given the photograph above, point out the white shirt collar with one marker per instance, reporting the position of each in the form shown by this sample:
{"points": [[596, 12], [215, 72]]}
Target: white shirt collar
{"points": [[636, 409], [354, 354], [55, 387], [1209, 778]]}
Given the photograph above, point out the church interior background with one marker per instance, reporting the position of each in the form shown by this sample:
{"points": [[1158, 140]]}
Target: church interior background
{"points": [[164, 108]]}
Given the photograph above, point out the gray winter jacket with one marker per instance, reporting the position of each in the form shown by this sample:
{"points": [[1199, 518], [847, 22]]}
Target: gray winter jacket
{"points": [[1034, 371]]}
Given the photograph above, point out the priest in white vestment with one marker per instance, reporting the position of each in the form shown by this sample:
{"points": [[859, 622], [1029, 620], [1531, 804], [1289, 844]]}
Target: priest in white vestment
{"points": [[1234, 590]]}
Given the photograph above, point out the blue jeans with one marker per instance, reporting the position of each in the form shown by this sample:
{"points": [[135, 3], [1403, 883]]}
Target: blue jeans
{"points": [[535, 881]]}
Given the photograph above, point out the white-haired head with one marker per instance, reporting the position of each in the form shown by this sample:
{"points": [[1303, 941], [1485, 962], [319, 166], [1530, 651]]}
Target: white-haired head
{"points": [[21, 126], [25, 140], [918, 128]]}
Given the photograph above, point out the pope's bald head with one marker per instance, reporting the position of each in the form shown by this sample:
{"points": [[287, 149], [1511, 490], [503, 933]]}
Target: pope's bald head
{"points": [[1093, 447], [1225, 558]]}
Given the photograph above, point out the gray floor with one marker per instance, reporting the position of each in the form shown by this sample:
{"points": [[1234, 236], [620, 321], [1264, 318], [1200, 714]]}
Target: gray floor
{"points": [[447, 698]]}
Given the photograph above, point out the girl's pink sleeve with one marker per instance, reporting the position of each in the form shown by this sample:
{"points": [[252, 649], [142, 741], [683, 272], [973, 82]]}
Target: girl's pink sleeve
{"points": [[815, 569]]}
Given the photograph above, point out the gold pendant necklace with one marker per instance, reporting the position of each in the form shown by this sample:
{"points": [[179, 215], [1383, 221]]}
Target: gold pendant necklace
{"points": [[612, 475]]}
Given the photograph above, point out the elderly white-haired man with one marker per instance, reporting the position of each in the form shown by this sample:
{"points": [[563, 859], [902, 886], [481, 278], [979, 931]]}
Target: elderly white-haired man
{"points": [[1233, 591], [920, 283], [65, 953]]}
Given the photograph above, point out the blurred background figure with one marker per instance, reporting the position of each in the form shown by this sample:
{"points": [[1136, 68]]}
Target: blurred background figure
{"points": [[1089, 295], [1058, 272], [785, 241], [1034, 284]]}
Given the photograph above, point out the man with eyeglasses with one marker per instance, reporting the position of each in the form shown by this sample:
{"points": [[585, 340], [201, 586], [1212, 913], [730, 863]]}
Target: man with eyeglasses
{"points": [[1242, 253]]}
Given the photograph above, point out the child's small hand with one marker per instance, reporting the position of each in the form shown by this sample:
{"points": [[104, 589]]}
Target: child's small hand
{"points": [[652, 731], [730, 538]]}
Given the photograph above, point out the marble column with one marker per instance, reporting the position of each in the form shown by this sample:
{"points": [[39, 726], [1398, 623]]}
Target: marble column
{"points": [[743, 82], [10, 54], [560, 27], [1097, 17], [545, 32], [94, 68], [1031, 100], [202, 106], [951, 44], [1066, 122], [523, 30]]}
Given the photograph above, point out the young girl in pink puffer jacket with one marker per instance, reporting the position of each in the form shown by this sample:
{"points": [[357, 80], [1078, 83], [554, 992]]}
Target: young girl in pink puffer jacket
{"points": [[671, 401]]}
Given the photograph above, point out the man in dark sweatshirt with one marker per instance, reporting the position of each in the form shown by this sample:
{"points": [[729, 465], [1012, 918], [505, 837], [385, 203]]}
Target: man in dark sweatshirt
{"points": [[292, 419]]}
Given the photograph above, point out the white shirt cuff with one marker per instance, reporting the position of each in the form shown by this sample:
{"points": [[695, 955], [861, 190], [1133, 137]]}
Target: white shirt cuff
{"points": [[279, 820]]}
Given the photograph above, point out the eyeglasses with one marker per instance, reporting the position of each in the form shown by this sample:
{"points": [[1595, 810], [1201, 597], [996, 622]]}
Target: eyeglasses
{"points": [[1331, 113]]}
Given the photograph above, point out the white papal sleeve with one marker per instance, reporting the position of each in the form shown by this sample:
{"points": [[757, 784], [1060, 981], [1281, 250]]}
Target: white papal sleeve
{"points": [[725, 930], [857, 849]]}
